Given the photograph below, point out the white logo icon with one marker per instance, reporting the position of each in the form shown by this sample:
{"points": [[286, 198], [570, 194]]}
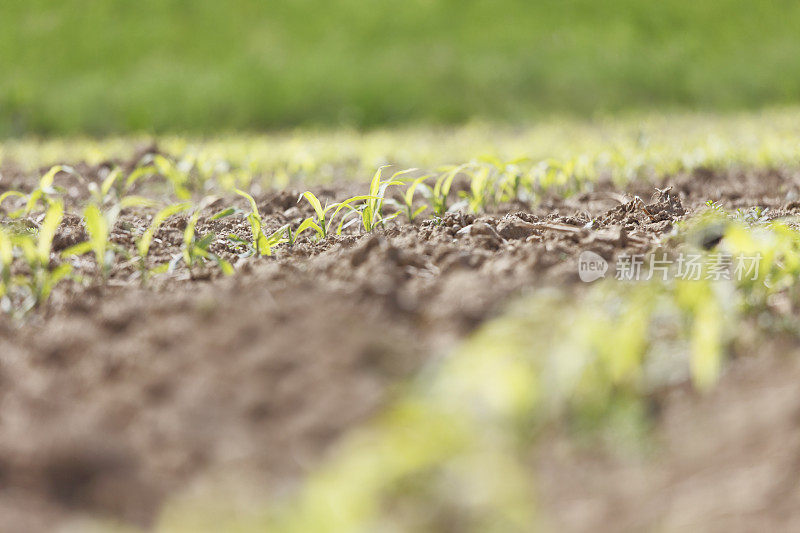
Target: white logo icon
{"points": [[591, 266]]}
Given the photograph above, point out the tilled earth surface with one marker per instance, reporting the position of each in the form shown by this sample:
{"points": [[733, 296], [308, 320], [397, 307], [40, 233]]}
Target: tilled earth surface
{"points": [[117, 396]]}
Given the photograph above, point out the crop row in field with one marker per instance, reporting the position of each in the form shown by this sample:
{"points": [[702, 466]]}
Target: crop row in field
{"points": [[578, 157], [455, 438]]}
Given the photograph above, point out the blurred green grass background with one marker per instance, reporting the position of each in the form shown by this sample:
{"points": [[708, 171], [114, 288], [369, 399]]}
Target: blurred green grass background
{"points": [[202, 66]]}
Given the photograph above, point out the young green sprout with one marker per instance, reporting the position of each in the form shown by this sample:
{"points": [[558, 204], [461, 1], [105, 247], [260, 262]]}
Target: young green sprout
{"points": [[101, 193], [137, 174], [279, 236], [49, 277], [261, 243], [511, 180], [98, 225], [441, 189], [481, 186], [195, 250], [408, 199], [17, 292], [6, 260], [511, 185], [178, 179], [324, 217], [146, 240], [46, 187], [114, 192], [371, 213], [12, 194], [36, 252], [44, 191]]}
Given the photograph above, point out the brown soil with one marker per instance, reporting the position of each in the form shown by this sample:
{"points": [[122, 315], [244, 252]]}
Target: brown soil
{"points": [[117, 396]]}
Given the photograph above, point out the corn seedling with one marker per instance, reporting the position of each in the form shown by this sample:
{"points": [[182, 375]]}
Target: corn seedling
{"points": [[408, 199], [228, 212], [550, 173], [25, 284], [46, 187], [6, 261], [45, 278], [754, 215], [146, 240], [481, 187], [98, 225], [322, 221], [261, 244], [512, 182], [279, 236], [36, 252], [178, 179], [113, 190], [291, 236], [371, 212], [137, 174], [101, 193], [13, 194], [15, 293], [441, 189], [195, 250], [43, 192]]}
